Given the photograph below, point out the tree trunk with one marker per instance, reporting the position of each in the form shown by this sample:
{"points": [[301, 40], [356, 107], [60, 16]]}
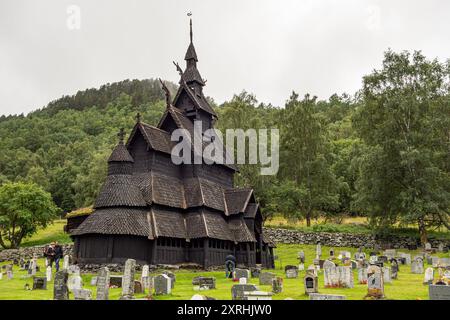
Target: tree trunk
{"points": [[422, 232], [308, 219]]}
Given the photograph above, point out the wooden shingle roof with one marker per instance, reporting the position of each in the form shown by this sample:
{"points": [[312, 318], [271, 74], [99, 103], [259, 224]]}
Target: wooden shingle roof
{"points": [[119, 190], [120, 154]]}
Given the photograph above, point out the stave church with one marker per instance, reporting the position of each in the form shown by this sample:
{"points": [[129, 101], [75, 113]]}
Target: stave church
{"points": [[158, 212]]}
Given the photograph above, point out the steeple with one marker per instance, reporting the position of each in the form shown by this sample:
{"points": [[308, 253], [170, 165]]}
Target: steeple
{"points": [[191, 74]]}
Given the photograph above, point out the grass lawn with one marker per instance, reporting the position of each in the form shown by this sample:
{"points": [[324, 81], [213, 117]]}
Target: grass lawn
{"points": [[53, 232], [408, 286]]}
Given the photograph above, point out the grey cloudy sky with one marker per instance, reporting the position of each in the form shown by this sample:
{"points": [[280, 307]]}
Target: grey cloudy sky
{"points": [[267, 47]]}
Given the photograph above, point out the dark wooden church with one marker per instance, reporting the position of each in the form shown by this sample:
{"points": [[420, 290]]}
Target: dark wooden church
{"points": [[157, 212]]}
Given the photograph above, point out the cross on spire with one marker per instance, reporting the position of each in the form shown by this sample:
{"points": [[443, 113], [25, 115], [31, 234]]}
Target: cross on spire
{"points": [[121, 135], [190, 25], [138, 117]]}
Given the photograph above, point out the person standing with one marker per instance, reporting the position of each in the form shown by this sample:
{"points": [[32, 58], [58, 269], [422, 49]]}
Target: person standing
{"points": [[58, 250], [50, 254]]}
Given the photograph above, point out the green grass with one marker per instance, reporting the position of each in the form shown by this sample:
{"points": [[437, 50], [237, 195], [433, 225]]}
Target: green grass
{"points": [[53, 232], [407, 287]]}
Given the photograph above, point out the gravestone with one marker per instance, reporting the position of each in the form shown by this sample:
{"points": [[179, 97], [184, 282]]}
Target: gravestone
{"points": [[375, 285], [241, 273], [318, 250], [82, 294], [138, 287], [204, 283], [115, 281], [338, 277], [145, 276], [443, 263], [242, 280], [93, 281], [429, 276], [362, 275], [311, 283], [328, 264], [9, 271], [39, 283], [417, 265], [373, 259], [33, 267], [103, 284], [74, 269], [265, 278], [301, 258], [386, 275], [277, 285], [320, 296], [407, 257], [128, 280], [257, 295], [390, 253], [383, 259], [172, 277], [49, 273], [440, 247], [237, 291], [60, 288], [312, 270], [439, 292], [66, 262], [75, 282], [291, 271], [162, 284], [255, 272], [394, 269], [427, 246]]}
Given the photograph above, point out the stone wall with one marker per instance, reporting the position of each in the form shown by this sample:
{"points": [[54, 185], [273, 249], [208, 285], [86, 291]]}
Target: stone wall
{"points": [[288, 236], [28, 252]]}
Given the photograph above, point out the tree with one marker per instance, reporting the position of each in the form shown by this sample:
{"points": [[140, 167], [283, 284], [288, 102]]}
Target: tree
{"points": [[305, 158], [23, 208], [404, 120]]}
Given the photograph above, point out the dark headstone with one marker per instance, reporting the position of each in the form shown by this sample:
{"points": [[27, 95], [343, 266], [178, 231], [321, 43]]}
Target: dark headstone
{"points": [[237, 291], [115, 281], [39, 283], [60, 289]]}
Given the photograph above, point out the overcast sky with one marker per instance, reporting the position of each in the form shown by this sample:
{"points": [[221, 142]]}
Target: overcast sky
{"points": [[266, 47]]}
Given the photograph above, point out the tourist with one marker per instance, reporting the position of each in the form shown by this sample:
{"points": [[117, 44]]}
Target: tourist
{"points": [[49, 253], [230, 264], [58, 254]]}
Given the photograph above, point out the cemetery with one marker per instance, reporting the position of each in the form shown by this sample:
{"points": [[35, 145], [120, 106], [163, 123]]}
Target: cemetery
{"points": [[329, 283]]}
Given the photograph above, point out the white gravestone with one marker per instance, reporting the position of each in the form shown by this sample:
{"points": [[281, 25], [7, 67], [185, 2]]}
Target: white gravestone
{"points": [[66, 262], [242, 280], [429, 276], [49, 274], [75, 282]]}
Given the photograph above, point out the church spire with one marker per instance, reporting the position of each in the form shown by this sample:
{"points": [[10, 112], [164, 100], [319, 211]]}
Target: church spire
{"points": [[191, 73]]}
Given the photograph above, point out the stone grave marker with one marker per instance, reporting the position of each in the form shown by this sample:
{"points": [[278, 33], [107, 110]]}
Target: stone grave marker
{"points": [[145, 276], [386, 275], [49, 273], [60, 288], [237, 290], [362, 275], [204, 283], [383, 259], [162, 284], [82, 294], [320, 296], [138, 287], [265, 278], [74, 269], [103, 284], [439, 292], [440, 247], [373, 259], [318, 250], [172, 277], [66, 262], [115, 281], [427, 246], [429, 276], [75, 282], [311, 283], [255, 272], [257, 295], [128, 280], [39, 283], [94, 281], [291, 271], [394, 269], [328, 264], [407, 257], [277, 285], [241, 273], [417, 265], [9, 272], [312, 270], [242, 280], [375, 285]]}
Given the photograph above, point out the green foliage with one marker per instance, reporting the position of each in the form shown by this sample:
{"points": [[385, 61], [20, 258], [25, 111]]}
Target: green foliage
{"points": [[404, 121], [23, 208]]}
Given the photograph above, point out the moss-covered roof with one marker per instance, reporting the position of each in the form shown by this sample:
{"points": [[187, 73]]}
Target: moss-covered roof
{"points": [[80, 212]]}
